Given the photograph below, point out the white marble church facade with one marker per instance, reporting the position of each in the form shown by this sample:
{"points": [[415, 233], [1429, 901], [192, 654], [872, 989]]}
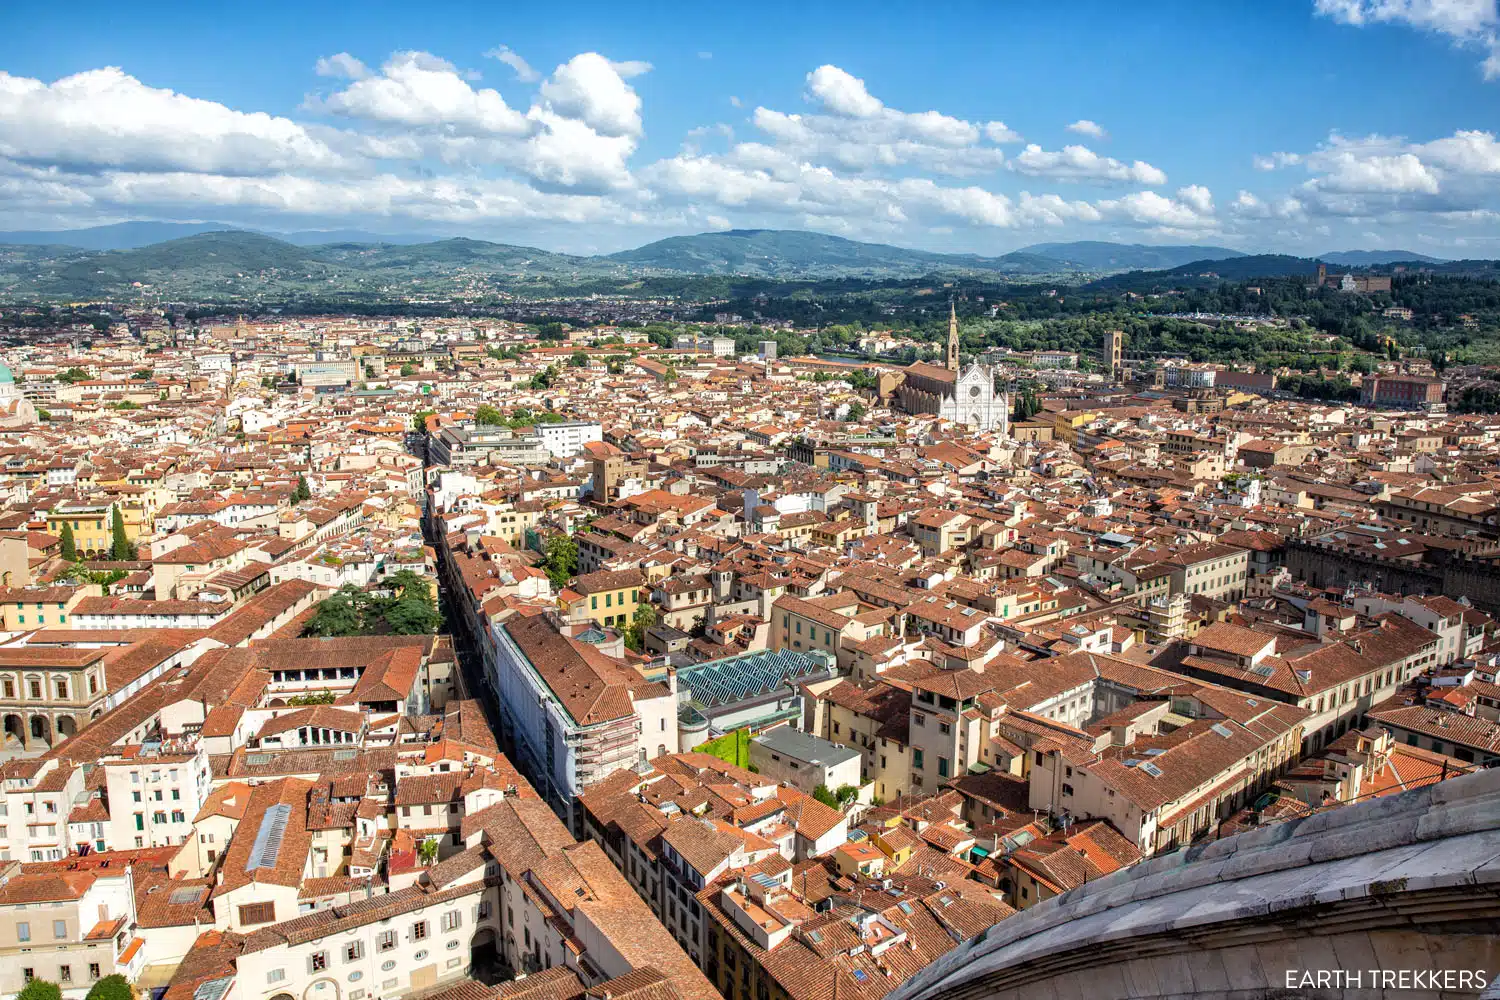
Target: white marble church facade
{"points": [[965, 397]]}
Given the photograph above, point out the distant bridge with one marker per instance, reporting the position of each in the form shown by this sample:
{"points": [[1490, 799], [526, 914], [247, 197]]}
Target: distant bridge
{"points": [[1402, 886]]}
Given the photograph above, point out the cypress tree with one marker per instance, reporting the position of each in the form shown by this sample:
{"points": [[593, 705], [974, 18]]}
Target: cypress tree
{"points": [[119, 545]]}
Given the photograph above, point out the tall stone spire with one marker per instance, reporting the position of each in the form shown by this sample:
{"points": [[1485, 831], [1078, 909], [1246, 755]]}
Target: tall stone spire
{"points": [[952, 337]]}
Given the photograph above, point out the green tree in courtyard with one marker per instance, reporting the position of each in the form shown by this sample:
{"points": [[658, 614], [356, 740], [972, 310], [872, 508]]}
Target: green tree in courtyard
{"points": [[645, 618], [111, 987], [560, 561]]}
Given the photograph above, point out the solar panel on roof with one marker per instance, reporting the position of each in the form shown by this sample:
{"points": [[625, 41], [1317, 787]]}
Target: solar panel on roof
{"points": [[1221, 730], [1263, 669], [724, 682], [345, 754], [188, 895], [267, 846], [214, 989], [257, 759], [1151, 769]]}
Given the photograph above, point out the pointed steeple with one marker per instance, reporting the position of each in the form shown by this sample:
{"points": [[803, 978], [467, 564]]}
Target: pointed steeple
{"points": [[952, 336]]}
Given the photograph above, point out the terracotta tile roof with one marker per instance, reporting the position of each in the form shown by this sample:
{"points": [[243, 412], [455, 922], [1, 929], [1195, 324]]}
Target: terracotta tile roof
{"points": [[591, 687], [295, 843]]}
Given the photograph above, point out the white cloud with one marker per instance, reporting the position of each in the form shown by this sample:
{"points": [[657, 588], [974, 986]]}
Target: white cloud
{"points": [[1148, 208], [999, 132], [854, 131], [419, 90], [1385, 179], [1085, 127], [1053, 210], [459, 201], [1465, 152], [1248, 206], [764, 180], [1466, 23], [690, 143], [1198, 198], [592, 89], [420, 141], [511, 58], [342, 65], [704, 54], [1352, 173], [1276, 161], [569, 153], [1079, 163], [841, 93], [1454, 18], [107, 118]]}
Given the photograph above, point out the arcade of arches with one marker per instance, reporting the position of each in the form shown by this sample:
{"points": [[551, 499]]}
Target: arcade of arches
{"points": [[48, 693]]}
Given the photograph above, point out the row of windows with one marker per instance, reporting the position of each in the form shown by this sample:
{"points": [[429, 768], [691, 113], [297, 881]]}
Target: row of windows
{"points": [[812, 631], [353, 951], [609, 600], [34, 689], [64, 973], [59, 930]]}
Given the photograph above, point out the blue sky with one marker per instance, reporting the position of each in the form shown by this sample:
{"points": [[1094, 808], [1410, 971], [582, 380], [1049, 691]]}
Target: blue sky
{"points": [[1287, 125]]}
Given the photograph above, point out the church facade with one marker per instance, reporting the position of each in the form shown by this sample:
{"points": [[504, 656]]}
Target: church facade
{"points": [[965, 397]]}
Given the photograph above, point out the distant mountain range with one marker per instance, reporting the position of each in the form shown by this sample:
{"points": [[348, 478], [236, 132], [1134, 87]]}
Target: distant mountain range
{"points": [[133, 235], [210, 261], [1375, 258], [784, 253], [1090, 255]]}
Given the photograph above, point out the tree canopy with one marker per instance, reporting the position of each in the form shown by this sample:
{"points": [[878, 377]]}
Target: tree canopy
{"points": [[410, 609], [111, 987], [644, 618], [120, 548], [560, 559]]}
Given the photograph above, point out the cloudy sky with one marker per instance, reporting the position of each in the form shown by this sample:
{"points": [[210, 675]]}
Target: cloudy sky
{"points": [[1288, 125]]}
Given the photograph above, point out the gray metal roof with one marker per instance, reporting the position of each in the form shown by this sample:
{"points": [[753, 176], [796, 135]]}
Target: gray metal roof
{"points": [[802, 746]]}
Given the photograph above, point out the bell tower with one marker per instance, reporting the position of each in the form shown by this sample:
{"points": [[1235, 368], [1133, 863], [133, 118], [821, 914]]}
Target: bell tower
{"points": [[952, 338]]}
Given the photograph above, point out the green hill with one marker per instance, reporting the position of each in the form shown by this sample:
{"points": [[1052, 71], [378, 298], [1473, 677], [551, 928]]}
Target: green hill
{"points": [[1207, 272], [784, 253], [451, 252], [237, 265], [1093, 255], [1375, 258]]}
